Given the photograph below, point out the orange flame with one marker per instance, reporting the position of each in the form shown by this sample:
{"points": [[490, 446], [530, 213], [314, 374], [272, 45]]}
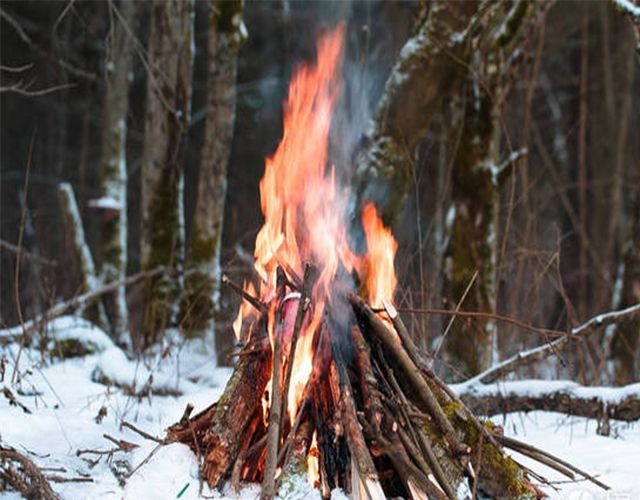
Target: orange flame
{"points": [[313, 463], [304, 214], [246, 311], [380, 275]]}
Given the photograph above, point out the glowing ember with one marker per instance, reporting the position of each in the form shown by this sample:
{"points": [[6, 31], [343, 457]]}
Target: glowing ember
{"points": [[313, 463]]}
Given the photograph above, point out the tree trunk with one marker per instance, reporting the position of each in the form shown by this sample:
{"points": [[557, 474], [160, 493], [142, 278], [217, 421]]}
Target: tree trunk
{"points": [[93, 310], [201, 295], [460, 53], [476, 177], [113, 165], [413, 93], [167, 119]]}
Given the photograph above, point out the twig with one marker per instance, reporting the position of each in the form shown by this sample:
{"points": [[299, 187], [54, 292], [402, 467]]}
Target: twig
{"points": [[143, 433], [526, 358], [246, 296], [60, 479], [62, 307], [36, 258], [121, 443], [23, 213], [487, 315], [300, 314], [458, 305], [275, 410], [520, 447], [29, 480], [147, 458]]}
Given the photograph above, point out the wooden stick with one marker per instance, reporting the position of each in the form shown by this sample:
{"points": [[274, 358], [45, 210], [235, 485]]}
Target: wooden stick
{"points": [[520, 446], [411, 372], [403, 333], [300, 314], [363, 469], [275, 409], [245, 295]]}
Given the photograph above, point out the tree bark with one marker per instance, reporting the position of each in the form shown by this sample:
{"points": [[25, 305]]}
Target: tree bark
{"points": [[412, 95], [167, 119], [202, 288], [475, 185], [113, 165]]}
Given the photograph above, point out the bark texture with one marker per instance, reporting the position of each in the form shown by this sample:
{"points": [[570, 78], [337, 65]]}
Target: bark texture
{"points": [[113, 165], [167, 117], [202, 288], [475, 183]]}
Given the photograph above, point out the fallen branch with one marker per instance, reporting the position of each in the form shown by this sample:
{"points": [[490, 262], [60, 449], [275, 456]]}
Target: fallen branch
{"points": [[61, 308], [619, 403], [526, 358], [24, 476]]}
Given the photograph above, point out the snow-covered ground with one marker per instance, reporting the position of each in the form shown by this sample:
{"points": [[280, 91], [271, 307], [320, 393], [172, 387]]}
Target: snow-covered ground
{"points": [[65, 399]]}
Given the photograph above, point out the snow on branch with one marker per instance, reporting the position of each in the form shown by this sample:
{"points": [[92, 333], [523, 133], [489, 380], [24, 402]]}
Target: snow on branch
{"points": [[602, 403], [525, 358]]}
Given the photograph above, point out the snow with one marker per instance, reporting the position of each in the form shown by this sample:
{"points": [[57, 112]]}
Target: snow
{"points": [[65, 399], [106, 203], [537, 388], [629, 7]]}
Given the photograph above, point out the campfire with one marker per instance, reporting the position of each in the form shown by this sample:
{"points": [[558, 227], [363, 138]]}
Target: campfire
{"points": [[328, 382]]}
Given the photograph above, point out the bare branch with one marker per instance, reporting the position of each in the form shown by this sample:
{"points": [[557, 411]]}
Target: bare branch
{"points": [[526, 358]]}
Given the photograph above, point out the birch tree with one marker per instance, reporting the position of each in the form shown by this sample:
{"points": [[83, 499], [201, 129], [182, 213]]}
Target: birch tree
{"points": [[167, 118], [200, 300], [113, 164]]}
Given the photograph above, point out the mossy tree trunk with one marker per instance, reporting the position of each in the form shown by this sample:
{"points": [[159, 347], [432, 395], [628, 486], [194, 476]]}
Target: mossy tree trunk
{"points": [[413, 94], [458, 57], [113, 165], [167, 119], [201, 294], [475, 185]]}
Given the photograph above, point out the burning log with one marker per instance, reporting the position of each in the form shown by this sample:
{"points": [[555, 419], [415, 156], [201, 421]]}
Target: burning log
{"points": [[362, 416]]}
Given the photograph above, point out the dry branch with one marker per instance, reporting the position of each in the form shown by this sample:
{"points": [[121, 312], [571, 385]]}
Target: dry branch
{"points": [[526, 358], [22, 475]]}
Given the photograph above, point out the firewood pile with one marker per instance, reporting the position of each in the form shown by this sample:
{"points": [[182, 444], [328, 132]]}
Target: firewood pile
{"points": [[374, 419]]}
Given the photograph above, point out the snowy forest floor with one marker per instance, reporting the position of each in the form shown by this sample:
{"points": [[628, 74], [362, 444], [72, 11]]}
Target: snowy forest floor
{"points": [[66, 397]]}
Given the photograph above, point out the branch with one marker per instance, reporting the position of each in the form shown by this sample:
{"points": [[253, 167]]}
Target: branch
{"points": [[526, 358], [61, 308], [617, 403]]}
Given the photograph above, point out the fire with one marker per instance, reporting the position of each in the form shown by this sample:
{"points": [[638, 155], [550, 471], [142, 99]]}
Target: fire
{"points": [[313, 463], [304, 222], [380, 275], [246, 310]]}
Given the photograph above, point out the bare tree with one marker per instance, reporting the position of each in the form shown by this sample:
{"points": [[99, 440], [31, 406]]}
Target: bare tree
{"points": [[167, 118], [113, 164], [200, 300]]}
